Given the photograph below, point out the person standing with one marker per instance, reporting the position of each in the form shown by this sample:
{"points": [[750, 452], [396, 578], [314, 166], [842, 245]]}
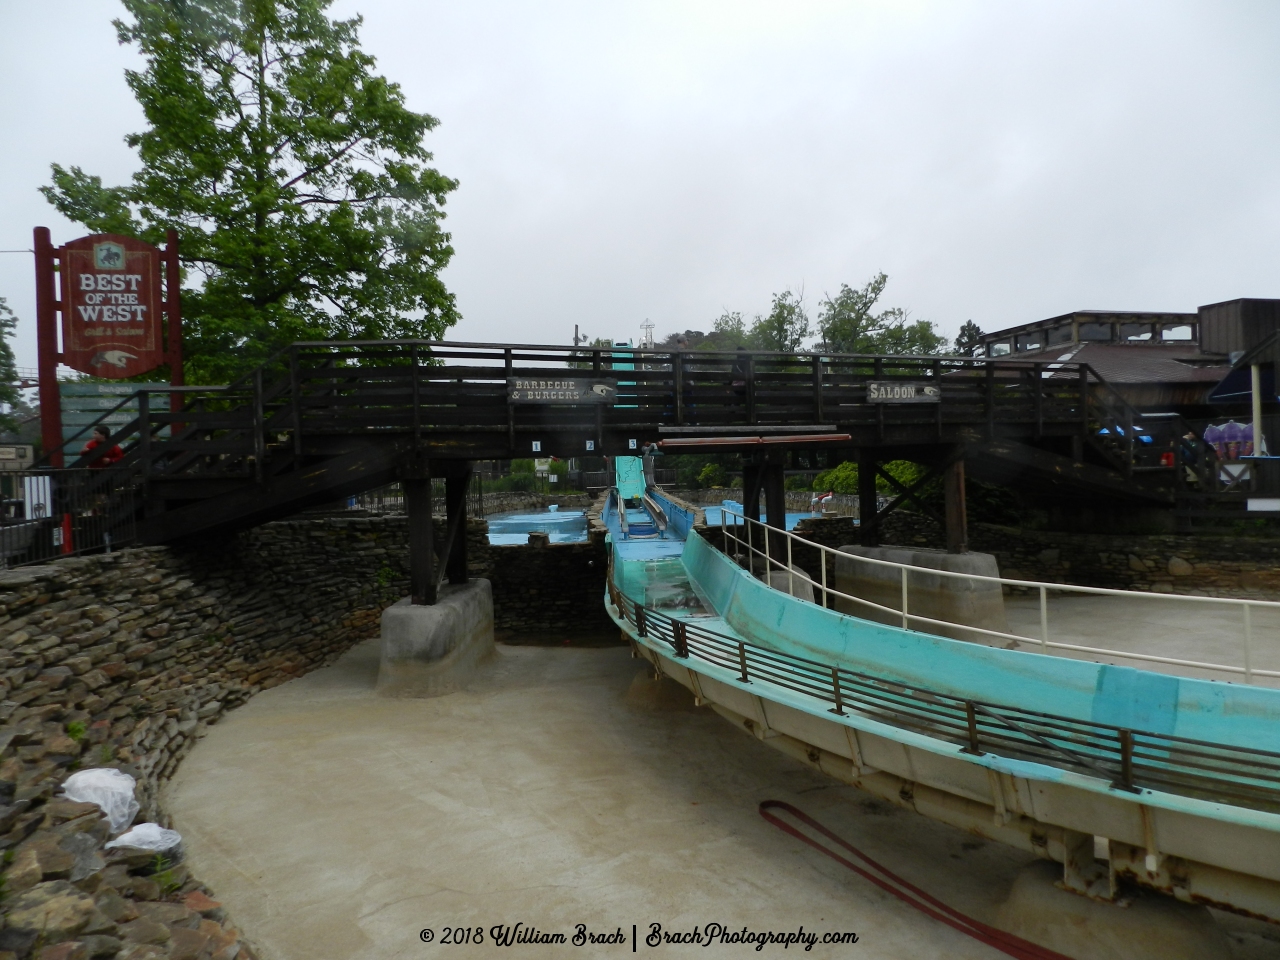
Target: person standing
{"points": [[101, 437]]}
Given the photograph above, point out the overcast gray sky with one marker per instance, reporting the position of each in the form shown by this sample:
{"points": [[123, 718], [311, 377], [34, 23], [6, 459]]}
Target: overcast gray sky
{"points": [[1001, 161]]}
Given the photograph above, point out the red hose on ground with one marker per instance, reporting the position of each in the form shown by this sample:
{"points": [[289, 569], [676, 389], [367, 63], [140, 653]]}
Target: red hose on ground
{"points": [[908, 893]]}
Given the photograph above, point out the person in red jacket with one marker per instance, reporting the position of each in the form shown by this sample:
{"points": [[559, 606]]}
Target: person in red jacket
{"points": [[101, 435]]}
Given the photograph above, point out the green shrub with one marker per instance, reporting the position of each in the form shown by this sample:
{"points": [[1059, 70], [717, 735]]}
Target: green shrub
{"points": [[712, 475], [521, 482], [840, 479]]}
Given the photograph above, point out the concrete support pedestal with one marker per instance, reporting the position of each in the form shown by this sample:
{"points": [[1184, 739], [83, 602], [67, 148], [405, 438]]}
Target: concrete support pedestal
{"points": [[958, 600], [428, 651], [1149, 927]]}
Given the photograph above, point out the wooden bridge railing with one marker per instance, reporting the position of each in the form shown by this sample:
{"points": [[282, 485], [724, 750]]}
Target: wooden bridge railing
{"points": [[424, 390]]}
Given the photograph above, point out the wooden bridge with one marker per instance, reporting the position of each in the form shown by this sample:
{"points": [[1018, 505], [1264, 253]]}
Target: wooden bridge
{"points": [[323, 421]]}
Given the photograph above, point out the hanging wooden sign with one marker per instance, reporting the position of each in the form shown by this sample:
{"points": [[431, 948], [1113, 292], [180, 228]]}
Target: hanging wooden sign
{"points": [[111, 306], [115, 321], [898, 391]]}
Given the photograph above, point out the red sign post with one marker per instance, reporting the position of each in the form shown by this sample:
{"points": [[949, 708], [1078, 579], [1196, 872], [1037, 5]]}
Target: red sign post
{"points": [[111, 306], [112, 311]]}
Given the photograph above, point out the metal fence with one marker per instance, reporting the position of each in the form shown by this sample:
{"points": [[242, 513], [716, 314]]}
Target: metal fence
{"points": [[1127, 759], [765, 549], [59, 513], [390, 498]]}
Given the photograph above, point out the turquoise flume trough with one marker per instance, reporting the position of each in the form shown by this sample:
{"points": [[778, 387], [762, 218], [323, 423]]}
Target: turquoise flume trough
{"points": [[1192, 847]]}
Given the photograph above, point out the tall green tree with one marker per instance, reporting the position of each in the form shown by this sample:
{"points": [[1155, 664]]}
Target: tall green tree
{"points": [[785, 327], [296, 178], [729, 329], [969, 340], [849, 323], [10, 396]]}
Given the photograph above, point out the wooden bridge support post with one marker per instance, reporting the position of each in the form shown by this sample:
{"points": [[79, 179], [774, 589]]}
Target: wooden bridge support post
{"points": [[868, 521], [455, 499], [422, 574], [751, 480], [957, 517], [775, 493], [772, 477]]}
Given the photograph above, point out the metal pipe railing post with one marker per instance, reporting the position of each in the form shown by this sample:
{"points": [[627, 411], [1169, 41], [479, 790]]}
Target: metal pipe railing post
{"points": [[1248, 644], [742, 662], [971, 721], [680, 638], [822, 553], [1126, 759], [768, 560], [791, 575], [835, 688], [1044, 619], [906, 617]]}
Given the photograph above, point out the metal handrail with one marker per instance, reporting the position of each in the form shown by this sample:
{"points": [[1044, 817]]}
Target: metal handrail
{"points": [[1045, 644], [1129, 760]]}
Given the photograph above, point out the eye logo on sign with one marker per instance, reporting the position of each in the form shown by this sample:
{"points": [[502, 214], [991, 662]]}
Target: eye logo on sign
{"points": [[108, 256], [117, 358], [111, 306]]}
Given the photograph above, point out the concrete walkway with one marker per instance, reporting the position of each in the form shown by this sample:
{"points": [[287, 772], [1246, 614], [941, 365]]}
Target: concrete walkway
{"points": [[1157, 625], [567, 787]]}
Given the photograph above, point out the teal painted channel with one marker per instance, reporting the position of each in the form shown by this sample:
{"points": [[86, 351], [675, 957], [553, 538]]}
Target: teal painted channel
{"points": [[702, 581], [1211, 710]]}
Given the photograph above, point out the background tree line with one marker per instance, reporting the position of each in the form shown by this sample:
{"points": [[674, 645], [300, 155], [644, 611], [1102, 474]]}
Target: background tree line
{"points": [[849, 321]]}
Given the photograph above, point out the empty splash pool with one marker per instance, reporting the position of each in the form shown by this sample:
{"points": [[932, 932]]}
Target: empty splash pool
{"points": [[713, 515], [562, 526]]}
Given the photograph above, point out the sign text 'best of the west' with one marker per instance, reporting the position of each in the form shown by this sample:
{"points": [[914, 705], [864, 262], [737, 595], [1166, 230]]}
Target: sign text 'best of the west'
{"points": [[111, 324]]}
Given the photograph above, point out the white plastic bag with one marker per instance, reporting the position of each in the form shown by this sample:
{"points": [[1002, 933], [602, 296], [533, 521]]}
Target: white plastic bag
{"points": [[110, 789], [149, 836]]}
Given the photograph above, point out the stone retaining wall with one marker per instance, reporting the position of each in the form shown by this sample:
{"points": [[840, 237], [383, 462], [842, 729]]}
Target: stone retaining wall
{"points": [[1202, 564], [125, 661], [1161, 563], [502, 501], [844, 504]]}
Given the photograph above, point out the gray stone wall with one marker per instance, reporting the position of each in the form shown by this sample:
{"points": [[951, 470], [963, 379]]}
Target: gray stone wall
{"points": [[125, 661], [797, 500], [1202, 564], [1205, 565]]}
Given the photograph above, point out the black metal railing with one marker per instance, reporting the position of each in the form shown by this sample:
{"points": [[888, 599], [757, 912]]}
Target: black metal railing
{"points": [[390, 498], [1128, 760], [60, 513]]}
